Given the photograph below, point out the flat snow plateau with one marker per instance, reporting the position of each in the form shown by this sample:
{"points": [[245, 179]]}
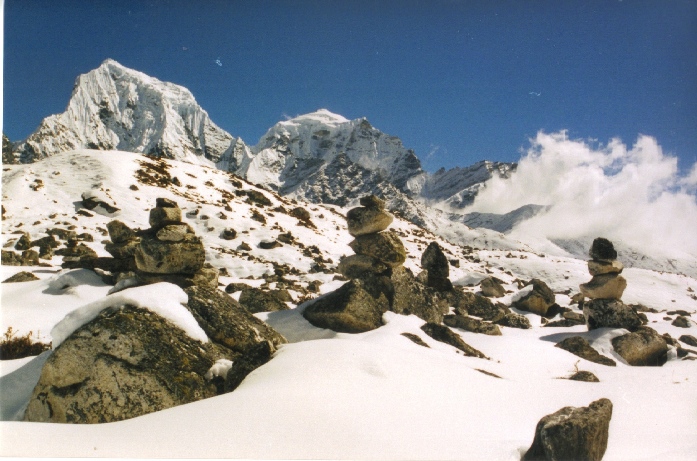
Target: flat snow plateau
{"points": [[328, 395]]}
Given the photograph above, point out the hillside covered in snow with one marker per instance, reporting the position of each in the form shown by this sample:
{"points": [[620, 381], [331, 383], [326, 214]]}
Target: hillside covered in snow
{"points": [[465, 372]]}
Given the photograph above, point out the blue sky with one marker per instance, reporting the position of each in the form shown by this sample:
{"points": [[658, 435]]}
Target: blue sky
{"points": [[457, 81]]}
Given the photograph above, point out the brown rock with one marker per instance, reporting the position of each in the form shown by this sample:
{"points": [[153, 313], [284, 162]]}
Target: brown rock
{"points": [[362, 221], [644, 347], [386, 247], [604, 286], [596, 267]]}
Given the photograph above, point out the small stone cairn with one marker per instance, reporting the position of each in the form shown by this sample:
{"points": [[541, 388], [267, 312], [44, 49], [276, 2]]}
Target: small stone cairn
{"points": [[170, 251], [605, 308]]}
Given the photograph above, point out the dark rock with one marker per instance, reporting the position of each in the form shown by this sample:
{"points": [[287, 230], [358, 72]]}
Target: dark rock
{"points": [[492, 288], [596, 267], [513, 320], [235, 287], [244, 246], [85, 237], [228, 234], [300, 213], [436, 264], [26, 258], [123, 250], [580, 347], [539, 300], [446, 335], [602, 249], [572, 433], [24, 242], [254, 357], [467, 303], [165, 203], [643, 347], [472, 324], [23, 276], [372, 201], [585, 376], [682, 321], [362, 221], [384, 246], [269, 244], [689, 340], [409, 297], [256, 300], [349, 309], [173, 232], [62, 234], [610, 313], [119, 366], [415, 339], [254, 196], [226, 322], [355, 266]]}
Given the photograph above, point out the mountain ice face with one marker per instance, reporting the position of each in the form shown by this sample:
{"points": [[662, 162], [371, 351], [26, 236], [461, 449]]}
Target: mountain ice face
{"points": [[113, 107]]}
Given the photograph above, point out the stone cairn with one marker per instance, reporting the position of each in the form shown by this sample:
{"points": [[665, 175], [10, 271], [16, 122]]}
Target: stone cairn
{"points": [[376, 251], [170, 251], [358, 305], [604, 290]]}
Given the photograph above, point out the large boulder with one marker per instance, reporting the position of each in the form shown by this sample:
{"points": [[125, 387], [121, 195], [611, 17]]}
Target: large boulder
{"points": [[127, 362], [644, 347], [604, 286], [610, 313], [386, 247], [437, 266], [572, 433], [349, 309], [537, 301], [257, 300], [226, 322]]}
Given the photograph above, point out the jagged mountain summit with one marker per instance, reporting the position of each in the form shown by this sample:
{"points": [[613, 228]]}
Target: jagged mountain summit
{"points": [[113, 107]]}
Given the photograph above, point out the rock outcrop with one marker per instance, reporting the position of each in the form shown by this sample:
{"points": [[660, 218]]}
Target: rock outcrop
{"points": [[436, 264], [572, 433]]}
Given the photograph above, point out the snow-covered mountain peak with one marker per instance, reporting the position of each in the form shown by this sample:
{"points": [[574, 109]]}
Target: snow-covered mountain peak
{"points": [[114, 107]]}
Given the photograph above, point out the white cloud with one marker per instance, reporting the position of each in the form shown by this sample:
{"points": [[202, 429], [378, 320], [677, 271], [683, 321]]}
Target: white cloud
{"points": [[633, 195]]}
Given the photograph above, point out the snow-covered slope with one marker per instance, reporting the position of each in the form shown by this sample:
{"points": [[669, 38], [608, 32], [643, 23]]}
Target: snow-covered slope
{"points": [[328, 395], [113, 107]]}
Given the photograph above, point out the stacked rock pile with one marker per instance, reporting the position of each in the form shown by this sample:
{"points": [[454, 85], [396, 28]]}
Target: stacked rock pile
{"points": [[170, 251], [607, 283], [376, 251], [605, 308]]}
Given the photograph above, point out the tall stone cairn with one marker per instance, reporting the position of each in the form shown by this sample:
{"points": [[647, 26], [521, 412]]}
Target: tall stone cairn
{"points": [[604, 290], [377, 250]]}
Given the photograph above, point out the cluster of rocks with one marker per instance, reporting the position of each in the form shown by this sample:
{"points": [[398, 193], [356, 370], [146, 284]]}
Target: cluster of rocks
{"points": [[48, 247], [169, 251]]}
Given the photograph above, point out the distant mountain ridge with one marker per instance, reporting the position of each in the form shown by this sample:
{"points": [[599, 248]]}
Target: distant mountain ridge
{"points": [[320, 156]]}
